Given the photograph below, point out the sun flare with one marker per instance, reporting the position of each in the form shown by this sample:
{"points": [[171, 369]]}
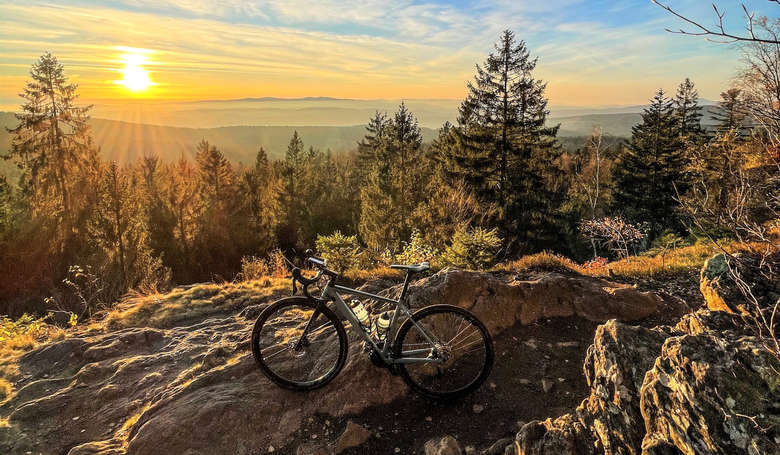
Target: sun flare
{"points": [[134, 77]]}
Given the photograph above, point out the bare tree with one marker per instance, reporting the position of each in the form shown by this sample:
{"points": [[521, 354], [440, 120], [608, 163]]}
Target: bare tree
{"points": [[720, 33], [760, 84], [587, 173]]}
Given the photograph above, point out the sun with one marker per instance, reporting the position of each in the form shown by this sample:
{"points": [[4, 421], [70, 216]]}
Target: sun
{"points": [[134, 77]]}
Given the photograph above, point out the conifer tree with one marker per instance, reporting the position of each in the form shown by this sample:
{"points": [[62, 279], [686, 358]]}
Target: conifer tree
{"points": [[730, 113], [688, 112], [505, 152], [216, 173], [118, 229], [650, 169], [394, 184], [184, 201], [51, 144], [260, 188], [160, 218]]}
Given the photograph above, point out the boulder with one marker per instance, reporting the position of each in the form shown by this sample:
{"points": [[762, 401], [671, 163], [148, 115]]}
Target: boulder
{"points": [[447, 445], [500, 302], [759, 274], [712, 394]]}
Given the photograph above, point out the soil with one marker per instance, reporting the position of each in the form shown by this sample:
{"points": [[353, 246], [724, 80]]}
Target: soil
{"points": [[552, 350]]}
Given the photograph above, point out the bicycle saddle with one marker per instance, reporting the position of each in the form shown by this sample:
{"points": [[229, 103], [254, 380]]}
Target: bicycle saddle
{"points": [[421, 267]]}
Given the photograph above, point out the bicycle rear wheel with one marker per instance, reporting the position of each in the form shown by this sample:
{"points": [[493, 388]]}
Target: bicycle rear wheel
{"points": [[298, 345], [461, 343]]}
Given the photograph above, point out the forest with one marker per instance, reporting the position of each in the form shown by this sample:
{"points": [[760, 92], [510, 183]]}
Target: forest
{"points": [[77, 231]]}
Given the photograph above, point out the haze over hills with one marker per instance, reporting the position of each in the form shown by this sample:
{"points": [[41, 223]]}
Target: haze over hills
{"points": [[126, 131]]}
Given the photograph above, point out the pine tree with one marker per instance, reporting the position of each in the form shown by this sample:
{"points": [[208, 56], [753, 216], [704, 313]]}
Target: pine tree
{"points": [[394, 185], [730, 113], [505, 152], [688, 112], [184, 201], [51, 144], [216, 174], [260, 188], [160, 218], [118, 230], [650, 169]]}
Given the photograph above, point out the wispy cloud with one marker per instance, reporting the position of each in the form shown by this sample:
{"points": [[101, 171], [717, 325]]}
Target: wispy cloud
{"points": [[364, 48]]}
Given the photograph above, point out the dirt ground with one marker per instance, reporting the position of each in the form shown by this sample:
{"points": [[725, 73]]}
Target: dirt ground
{"points": [[551, 351]]}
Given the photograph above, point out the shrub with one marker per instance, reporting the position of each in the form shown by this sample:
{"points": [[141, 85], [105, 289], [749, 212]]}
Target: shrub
{"points": [[343, 252], [255, 268], [416, 251], [614, 233], [473, 249]]}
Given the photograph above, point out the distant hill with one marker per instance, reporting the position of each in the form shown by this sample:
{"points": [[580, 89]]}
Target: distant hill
{"points": [[125, 142]]}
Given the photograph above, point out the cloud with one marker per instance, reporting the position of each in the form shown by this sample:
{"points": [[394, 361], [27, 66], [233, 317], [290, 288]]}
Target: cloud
{"points": [[367, 48]]}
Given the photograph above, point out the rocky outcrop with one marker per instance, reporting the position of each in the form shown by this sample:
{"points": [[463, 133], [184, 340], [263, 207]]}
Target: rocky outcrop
{"points": [[707, 385], [191, 385], [501, 302]]}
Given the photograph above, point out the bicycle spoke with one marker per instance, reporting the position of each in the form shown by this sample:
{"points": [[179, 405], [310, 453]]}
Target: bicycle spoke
{"points": [[464, 352], [293, 356]]}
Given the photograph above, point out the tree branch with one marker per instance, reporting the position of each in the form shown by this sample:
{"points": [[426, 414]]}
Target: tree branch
{"points": [[718, 33]]}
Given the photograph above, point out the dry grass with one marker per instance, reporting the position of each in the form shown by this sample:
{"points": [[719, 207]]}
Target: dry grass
{"points": [[545, 261], [23, 334], [667, 264], [183, 304]]}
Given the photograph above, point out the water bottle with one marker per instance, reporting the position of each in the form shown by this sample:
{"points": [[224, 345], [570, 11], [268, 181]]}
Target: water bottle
{"points": [[382, 323], [361, 313]]}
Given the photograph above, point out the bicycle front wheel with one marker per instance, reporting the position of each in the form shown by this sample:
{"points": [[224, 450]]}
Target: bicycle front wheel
{"points": [[299, 345], [456, 339]]}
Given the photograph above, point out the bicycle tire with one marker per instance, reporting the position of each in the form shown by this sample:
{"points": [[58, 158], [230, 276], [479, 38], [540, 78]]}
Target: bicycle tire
{"points": [[270, 373], [479, 379]]}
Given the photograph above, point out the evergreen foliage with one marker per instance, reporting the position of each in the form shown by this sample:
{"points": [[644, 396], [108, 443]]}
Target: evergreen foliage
{"points": [[505, 153], [688, 113], [650, 170]]}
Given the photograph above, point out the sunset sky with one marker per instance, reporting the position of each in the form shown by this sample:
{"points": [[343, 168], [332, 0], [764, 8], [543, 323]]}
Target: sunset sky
{"points": [[599, 52]]}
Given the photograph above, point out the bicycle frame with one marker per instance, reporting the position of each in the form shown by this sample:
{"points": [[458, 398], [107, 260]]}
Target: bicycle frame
{"points": [[333, 291]]}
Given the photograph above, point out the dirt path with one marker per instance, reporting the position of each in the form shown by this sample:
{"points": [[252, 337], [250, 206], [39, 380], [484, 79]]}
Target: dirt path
{"points": [[551, 350]]}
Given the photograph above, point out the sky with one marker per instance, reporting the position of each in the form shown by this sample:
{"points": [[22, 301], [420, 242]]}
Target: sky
{"points": [[591, 52]]}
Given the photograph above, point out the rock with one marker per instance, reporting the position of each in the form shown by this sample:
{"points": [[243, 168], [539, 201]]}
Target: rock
{"points": [[353, 436], [716, 285], [311, 449], [547, 385], [721, 292], [714, 394], [499, 447], [500, 304], [447, 445], [704, 386]]}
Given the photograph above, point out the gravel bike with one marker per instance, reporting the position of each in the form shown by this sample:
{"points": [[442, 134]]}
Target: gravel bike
{"points": [[300, 343]]}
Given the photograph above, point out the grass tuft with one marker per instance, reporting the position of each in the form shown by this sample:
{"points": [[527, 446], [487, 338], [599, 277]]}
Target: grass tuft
{"points": [[183, 304]]}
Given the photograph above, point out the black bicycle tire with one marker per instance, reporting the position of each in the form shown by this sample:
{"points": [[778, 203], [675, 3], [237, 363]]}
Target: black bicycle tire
{"points": [[486, 368], [328, 313]]}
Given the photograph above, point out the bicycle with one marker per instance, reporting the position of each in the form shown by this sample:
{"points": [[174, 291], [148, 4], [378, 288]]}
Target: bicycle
{"points": [[441, 351]]}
